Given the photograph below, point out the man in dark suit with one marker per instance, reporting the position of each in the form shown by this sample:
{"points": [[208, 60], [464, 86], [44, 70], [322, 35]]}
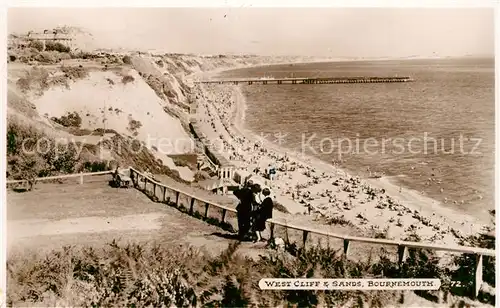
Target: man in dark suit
{"points": [[244, 208]]}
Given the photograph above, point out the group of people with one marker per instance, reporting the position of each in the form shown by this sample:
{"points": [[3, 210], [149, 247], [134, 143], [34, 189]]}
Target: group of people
{"points": [[254, 209]]}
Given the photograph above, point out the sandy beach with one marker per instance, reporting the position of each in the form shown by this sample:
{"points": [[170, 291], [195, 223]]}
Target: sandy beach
{"points": [[309, 186]]}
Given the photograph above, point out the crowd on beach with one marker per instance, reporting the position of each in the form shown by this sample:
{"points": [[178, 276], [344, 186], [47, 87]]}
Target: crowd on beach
{"points": [[304, 188]]}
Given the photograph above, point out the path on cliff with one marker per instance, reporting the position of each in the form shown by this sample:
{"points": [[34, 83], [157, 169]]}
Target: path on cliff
{"points": [[54, 215]]}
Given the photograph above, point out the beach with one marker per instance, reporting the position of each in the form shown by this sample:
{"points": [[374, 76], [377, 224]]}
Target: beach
{"points": [[309, 186]]}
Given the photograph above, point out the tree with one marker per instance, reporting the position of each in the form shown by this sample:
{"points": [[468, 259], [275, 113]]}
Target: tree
{"points": [[26, 167]]}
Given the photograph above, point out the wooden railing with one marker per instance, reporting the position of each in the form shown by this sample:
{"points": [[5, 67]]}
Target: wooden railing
{"points": [[66, 176], [166, 192]]}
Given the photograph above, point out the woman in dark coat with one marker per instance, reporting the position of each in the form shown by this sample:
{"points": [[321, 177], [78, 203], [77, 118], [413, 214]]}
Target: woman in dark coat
{"points": [[264, 213]]}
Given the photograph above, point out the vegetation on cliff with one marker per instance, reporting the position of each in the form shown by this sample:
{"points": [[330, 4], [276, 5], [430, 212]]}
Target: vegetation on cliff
{"points": [[160, 276]]}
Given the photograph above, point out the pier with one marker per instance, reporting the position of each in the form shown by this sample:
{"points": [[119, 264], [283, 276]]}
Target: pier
{"points": [[325, 80]]}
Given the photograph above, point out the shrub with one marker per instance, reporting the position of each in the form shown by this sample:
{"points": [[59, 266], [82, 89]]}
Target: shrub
{"points": [[179, 162], [75, 72], [83, 55], [35, 79], [201, 175], [47, 57], [26, 162], [38, 45], [12, 58], [56, 46], [126, 79], [102, 131], [466, 264], [133, 126], [156, 84], [69, 120], [95, 166], [23, 84], [25, 167], [79, 131], [64, 56], [340, 221], [127, 60], [166, 275]]}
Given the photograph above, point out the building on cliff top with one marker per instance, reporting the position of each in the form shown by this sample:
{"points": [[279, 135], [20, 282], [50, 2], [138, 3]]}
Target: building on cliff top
{"points": [[24, 40]]}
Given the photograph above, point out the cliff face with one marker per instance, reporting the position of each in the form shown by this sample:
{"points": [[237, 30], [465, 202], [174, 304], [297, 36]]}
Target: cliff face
{"points": [[137, 96]]}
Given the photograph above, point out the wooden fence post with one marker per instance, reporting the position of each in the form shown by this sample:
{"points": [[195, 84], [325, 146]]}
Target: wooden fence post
{"points": [[206, 210], [402, 254], [164, 193], [223, 215], [154, 190], [272, 231], [346, 247], [478, 279], [304, 239], [177, 198], [81, 177], [191, 206]]}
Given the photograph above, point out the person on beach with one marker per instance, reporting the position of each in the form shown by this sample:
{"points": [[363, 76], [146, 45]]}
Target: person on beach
{"points": [[244, 208], [271, 171], [264, 212]]}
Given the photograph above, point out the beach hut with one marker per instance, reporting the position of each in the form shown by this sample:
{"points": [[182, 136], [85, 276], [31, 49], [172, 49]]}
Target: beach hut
{"points": [[241, 176]]}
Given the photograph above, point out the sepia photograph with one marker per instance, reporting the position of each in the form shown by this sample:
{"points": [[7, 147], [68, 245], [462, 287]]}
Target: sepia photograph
{"points": [[246, 156]]}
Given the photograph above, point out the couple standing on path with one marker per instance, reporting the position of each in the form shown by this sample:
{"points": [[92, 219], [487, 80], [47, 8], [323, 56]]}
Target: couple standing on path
{"points": [[253, 210]]}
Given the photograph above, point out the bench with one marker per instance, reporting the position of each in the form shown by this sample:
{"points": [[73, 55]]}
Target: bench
{"points": [[122, 178]]}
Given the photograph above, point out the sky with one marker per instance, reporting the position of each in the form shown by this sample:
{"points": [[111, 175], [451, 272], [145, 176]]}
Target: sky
{"points": [[329, 32]]}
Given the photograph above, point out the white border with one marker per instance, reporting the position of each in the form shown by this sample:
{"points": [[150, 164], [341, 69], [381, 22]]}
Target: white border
{"points": [[497, 141], [3, 150], [221, 4], [260, 3]]}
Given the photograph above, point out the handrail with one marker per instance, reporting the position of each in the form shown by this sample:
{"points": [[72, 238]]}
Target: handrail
{"points": [[183, 192], [211, 163], [463, 249], [65, 176]]}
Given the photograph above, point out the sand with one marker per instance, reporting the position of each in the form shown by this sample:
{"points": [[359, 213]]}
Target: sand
{"points": [[317, 188]]}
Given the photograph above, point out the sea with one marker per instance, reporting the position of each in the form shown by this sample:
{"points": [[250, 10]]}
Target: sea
{"points": [[434, 135]]}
